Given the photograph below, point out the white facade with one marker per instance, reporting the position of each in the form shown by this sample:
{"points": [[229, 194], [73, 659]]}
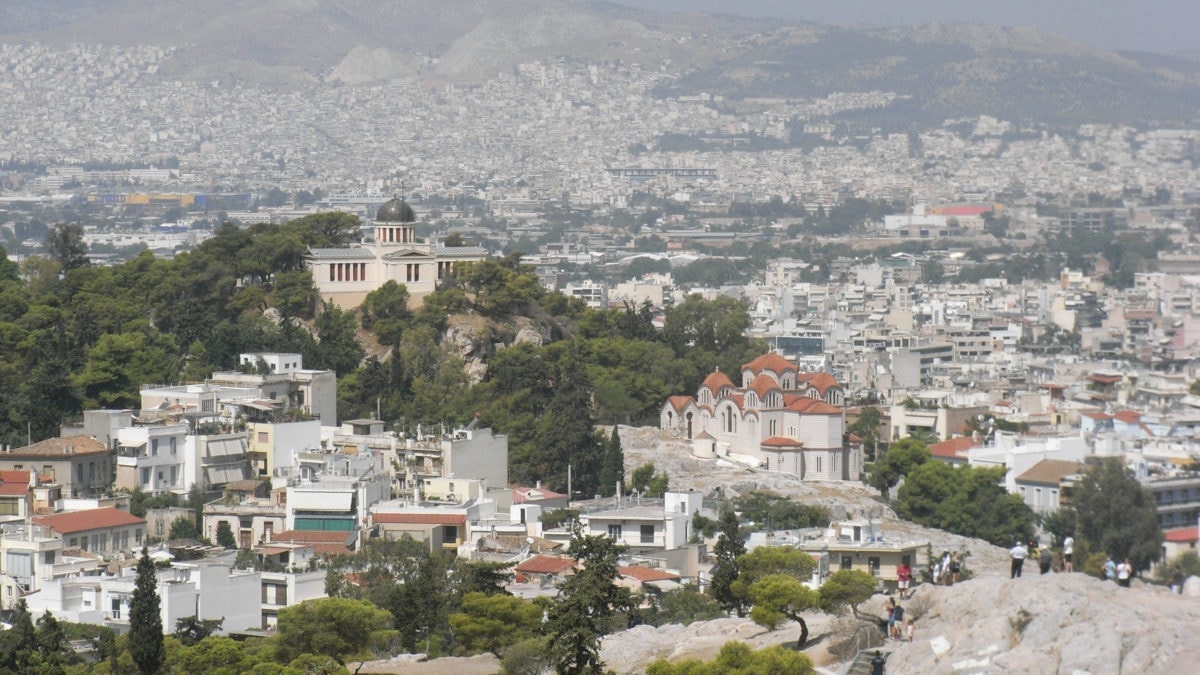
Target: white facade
{"points": [[152, 458], [778, 418], [344, 276], [205, 589]]}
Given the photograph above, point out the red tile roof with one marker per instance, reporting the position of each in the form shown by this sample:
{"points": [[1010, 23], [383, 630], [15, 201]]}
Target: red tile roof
{"points": [[680, 402], [823, 381], [420, 518], [545, 564], [762, 384], [1183, 535], [782, 442], [954, 448], [1096, 415], [91, 519], [1104, 379], [62, 447], [644, 574], [1127, 416], [1050, 471], [525, 495], [14, 483], [715, 380], [772, 362], [324, 543]]}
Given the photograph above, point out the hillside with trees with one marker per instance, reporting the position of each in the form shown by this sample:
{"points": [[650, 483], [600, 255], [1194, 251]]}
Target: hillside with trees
{"points": [[75, 336]]}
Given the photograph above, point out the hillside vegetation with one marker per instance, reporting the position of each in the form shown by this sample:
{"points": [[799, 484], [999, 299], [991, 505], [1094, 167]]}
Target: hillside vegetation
{"points": [[532, 364]]}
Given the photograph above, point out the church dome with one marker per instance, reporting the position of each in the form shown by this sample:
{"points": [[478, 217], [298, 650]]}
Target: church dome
{"points": [[395, 211]]}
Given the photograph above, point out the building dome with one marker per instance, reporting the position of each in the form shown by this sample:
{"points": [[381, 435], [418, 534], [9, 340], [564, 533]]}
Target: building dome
{"points": [[395, 211]]}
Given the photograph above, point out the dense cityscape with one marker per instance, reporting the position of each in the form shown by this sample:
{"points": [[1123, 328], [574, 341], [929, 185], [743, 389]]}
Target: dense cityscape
{"points": [[287, 361]]}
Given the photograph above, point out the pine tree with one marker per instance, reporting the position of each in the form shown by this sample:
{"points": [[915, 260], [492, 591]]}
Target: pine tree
{"points": [[145, 621], [51, 644], [583, 611], [19, 645], [725, 570]]}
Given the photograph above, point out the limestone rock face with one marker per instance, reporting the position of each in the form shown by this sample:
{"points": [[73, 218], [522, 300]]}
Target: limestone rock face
{"points": [[1052, 623]]}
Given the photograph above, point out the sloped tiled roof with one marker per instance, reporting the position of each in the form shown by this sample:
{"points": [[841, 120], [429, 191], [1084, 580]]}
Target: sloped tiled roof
{"points": [[644, 574], [816, 407], [772, 362], [680, 402], [64, 446], [1127, 416], [1182, 535], [545, 564], [1049, 471], [91, 519], [14, 483], [953, 448], [525, 495], [782, 442]]}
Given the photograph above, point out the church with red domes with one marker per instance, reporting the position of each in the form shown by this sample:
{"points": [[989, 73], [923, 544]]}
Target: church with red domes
{"points": [[778, 418]]}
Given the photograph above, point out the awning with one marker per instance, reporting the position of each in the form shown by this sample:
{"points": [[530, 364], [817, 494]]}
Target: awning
{"points": [[224, 475], [226, 447]]}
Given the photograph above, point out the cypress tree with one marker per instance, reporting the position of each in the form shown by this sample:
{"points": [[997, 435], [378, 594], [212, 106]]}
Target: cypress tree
{"points": [[145, 621], [612, 467]]}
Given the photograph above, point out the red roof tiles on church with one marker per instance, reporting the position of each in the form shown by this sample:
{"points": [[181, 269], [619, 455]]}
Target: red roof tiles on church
{"points": [[813, 406], [781, 442], [715, 380], [680, 402], [763, 383], [822, 382], [772, 362]]}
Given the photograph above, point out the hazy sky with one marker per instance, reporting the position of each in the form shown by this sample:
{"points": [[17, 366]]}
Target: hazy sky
{"points": [[1165, 26]]}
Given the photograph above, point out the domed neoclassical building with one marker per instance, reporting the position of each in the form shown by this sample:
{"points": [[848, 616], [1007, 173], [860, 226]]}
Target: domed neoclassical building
{"points": [[344, 276]]}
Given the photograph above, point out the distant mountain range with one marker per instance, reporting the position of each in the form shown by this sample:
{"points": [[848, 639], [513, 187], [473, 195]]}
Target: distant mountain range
{"points": [[940, 71]]}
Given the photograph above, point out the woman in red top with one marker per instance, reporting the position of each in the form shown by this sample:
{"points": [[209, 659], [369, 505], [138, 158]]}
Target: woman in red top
{"points": [[904, 577]]}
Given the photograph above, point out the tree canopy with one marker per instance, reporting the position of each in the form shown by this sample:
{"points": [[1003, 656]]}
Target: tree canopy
{"points": [[965, 500], [1115, 514]]}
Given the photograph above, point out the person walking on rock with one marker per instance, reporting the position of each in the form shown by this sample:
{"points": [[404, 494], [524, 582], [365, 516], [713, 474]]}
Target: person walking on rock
{"points": [[1068, 553], [877, 664], [1177, 580], [955, 568], [1018, 554]]}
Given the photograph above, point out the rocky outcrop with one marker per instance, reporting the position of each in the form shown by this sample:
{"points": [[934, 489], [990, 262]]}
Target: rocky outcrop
{"points": [[1052, 623]]}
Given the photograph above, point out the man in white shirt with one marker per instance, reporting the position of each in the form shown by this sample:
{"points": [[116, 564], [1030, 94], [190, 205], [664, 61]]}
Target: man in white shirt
{"points": [[1018, 554], [1068, 552]]}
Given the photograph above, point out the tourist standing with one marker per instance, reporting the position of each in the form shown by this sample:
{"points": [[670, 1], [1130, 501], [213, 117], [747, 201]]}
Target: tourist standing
{"points": [[1068, 553], [1018, 553], [877, 664], [1044, 560], [955, 568], [903, 578], [1124, 573], [1177, 580], [1110, 569]]}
